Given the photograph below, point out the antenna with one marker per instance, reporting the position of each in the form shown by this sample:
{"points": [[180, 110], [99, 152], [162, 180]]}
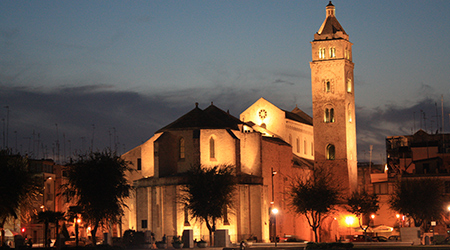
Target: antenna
{"points": [[92, 140]]}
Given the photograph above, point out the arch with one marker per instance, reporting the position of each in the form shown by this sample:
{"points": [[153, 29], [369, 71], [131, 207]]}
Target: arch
{"points": [[212, 148], [349, 112], [329, 115], [330, 152], [181, 148], [349, 85]]}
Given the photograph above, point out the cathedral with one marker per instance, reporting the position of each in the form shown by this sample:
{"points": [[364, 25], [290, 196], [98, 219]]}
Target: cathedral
{"points": [[267, 145]]}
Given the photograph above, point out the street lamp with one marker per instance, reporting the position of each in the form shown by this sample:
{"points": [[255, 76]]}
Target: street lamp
{"points": [[275, 212]]}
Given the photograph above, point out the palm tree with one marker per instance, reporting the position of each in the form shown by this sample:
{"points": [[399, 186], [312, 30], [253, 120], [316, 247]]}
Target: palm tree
{"points": [[17, 187], [97, 183]]}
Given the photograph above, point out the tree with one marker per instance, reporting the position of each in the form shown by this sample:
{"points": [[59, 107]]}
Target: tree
{"points": [[97, 184], [314, 197], [18, 187], [421, 199], [362, 204], [208, 192], [48, 217]]}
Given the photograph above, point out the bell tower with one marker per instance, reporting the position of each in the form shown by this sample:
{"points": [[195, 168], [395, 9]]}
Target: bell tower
{"points": [[333, 99]]}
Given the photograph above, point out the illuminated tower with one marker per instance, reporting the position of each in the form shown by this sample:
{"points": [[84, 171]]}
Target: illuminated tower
{"points": [[334, 101]]}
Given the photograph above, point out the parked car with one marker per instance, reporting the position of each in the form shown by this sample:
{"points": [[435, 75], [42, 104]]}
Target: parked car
{"points": [[379, 239], [361, 238], [394, 238]]}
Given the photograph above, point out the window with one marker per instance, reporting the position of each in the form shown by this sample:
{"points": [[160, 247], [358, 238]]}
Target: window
{"points": [[139, 164], [332, 52], [186, 217], [312, 149], [182, 153], [329, 115], [212, 150], [144, 223], [349, 111], [298, 145], [304, 147], [225, 216], [381, 188], [349, 85], [321, 53], [330, 153], [328, 86]]}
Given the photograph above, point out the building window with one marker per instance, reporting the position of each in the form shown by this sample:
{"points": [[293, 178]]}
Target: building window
{"points": [[381, 188], [139, 164], [312, 149], [321, 53], [186, 217], [349, 111], [349, 85], [182, 148], [144, 223], [298, 145], [329, 115], [304, 147], [332, 52], [212, 150], [225, 216], [328, 87], [330, 154]]}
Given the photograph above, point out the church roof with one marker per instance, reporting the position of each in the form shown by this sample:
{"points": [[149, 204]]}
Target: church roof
{"points": [[303, 162], [298, 115], [210, 118], [331, 25]]}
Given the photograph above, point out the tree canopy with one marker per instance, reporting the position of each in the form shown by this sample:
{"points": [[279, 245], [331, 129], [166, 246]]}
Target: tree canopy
{"points": [[17, 186], [314, 197], [362, 204], [420, 198], [97, 184], [208, 193]]}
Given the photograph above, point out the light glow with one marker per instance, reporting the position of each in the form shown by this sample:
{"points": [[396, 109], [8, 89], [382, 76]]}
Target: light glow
{"points": [[275, 210], [349, 220]]}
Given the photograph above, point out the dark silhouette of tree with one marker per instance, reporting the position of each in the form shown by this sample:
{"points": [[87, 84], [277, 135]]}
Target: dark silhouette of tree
{"points": [[207, 192], [73, 215], [363, 204], [419, 198], [18, 187], [314, 197], [97, 184], [48, 217]]}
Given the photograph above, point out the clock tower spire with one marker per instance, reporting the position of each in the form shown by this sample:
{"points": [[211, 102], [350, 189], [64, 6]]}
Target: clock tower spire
{"points": [[334, 101]]}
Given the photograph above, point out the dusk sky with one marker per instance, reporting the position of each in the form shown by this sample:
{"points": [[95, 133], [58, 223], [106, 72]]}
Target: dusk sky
{"points": [[105, 73]]}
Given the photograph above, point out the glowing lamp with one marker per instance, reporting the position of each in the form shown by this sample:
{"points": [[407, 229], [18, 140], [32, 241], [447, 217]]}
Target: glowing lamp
{"points": [[275, 210]]}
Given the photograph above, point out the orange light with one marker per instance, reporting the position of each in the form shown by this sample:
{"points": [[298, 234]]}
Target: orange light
{"points": [[78, 221], [349, 220], [398, 216], [372, 216]]}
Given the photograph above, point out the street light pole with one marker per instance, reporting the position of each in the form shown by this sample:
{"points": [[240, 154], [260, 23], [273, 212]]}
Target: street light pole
{"points": [[275, 212], [272, 209]]}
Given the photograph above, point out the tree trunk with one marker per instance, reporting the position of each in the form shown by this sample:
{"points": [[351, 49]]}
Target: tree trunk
{"points": [[46, 243], [94, 233]]}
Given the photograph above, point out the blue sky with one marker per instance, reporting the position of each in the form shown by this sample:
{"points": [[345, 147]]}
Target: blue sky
{"points": [[85, 71]]}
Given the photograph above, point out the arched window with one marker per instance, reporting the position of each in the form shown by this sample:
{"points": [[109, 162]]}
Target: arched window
{"points": [[330, 153], [332, 52], [349, 111], [349, 85], [181, 148], [212, 150], [328, 86], [329, 115], [321, 53], [298, 145]]}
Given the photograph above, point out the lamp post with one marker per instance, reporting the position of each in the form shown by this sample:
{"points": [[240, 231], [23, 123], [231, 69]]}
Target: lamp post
{"points": [[275, 212], [272, 208]]}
